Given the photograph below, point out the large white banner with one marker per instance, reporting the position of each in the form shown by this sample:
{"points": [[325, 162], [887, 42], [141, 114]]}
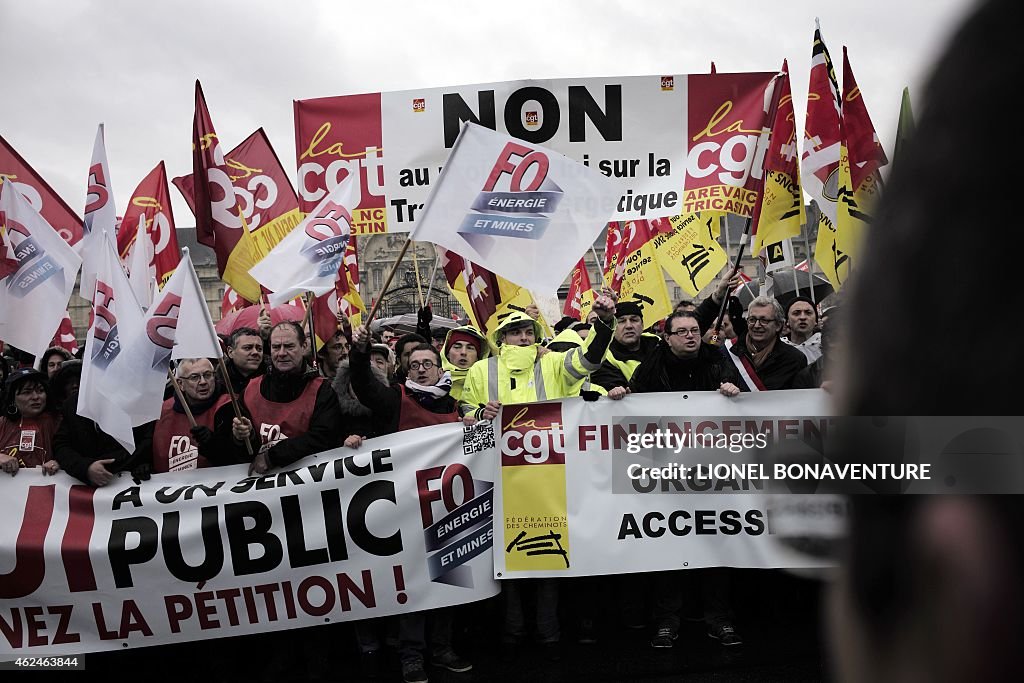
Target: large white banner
{"points": [[403, 524], [676, 143], [571, 502]]}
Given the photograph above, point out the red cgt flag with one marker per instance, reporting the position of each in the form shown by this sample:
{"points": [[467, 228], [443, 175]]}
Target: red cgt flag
{"points": [[13, 168], [65, 337], [219, 220], [152, 199], [579, 283], [866, 153], [266, 197]]}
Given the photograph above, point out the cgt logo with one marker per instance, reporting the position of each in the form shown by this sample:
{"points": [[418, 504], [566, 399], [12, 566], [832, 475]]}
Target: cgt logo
{"points": [[533, 435], [668, 83], [419, 105], [532, 119]]}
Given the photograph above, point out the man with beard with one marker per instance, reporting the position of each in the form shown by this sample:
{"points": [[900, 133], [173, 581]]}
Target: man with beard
{"points": [[332, 353], [801, 320]]}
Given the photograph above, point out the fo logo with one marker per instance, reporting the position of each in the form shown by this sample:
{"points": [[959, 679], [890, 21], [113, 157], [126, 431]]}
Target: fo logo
{"points": [[668, 82], [532, 118], [419, 105], [533, 434]]}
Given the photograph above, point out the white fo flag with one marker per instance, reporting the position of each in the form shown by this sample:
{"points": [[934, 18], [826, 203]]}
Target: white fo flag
{"points": [[308, 258], [100, 215], [141, 269], [106, 395], [198, 338], [177, 325], [37, 274], [520, 210]]}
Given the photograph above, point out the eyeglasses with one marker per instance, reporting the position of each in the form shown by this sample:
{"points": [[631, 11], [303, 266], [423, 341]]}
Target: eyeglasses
{"points": [[760, 321], [195, 377], [690, 332], [421, 364]]}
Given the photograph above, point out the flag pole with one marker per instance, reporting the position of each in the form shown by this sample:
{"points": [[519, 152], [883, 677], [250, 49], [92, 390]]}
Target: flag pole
{"points": [[796, 282], [597, 261], [387, 283], [181, 398], [769, 121], [233, 397], [810, 257], [307, 298], [433, 272], [416, 267]]}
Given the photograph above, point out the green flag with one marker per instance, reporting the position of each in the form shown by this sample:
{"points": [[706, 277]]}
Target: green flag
{"points": [[905, 128]]}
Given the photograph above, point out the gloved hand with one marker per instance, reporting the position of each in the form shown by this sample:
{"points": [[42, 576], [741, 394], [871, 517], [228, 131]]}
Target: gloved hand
{"points": [[141, 472], [203, 435]]}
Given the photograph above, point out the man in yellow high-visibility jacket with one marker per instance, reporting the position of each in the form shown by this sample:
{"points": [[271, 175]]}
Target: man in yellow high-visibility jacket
{"points": [[519, 373]]}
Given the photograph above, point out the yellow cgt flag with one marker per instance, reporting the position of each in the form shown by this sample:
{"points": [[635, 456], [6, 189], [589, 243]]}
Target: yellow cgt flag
{"points": [[689, 251], [642, 279], [839, 245]]}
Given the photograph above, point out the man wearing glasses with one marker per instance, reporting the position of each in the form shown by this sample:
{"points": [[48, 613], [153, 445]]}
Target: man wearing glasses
{"points": [[424, 398], [763, 361], [683, 363], [179, 446]]}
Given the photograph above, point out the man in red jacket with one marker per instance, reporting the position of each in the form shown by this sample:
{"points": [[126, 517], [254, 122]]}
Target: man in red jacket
{"points": [[179, 446], [295, 413]]}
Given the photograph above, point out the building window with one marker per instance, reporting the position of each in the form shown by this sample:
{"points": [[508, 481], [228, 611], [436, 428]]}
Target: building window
{"points": [[377, 280]]}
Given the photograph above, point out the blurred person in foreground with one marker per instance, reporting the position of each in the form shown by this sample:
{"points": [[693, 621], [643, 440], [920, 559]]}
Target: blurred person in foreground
{"points": [[932, 588]]}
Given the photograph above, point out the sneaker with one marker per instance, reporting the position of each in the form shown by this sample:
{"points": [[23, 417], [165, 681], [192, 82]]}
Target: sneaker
{"points": [[412, 672], [665, 637], [725, 634], [588, 634], [451, 661]]}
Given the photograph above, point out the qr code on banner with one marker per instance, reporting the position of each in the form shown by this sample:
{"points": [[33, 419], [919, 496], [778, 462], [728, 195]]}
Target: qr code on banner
{"points": [[477, 437]]}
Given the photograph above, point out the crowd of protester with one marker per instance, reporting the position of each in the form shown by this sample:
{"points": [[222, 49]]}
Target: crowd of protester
{"points": [[292, 403]]}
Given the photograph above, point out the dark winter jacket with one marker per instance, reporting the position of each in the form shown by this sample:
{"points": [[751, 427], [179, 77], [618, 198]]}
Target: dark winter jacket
{"points": [[664, 371], [79, 442], [779, 368], [357, 418]]}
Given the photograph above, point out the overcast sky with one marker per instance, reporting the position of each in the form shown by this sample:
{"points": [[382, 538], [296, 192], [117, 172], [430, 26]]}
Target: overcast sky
{"points": [[132, 64]]}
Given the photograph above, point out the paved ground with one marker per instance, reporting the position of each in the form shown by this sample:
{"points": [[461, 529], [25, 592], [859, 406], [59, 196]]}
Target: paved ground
{"points": [[777, 615]]}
